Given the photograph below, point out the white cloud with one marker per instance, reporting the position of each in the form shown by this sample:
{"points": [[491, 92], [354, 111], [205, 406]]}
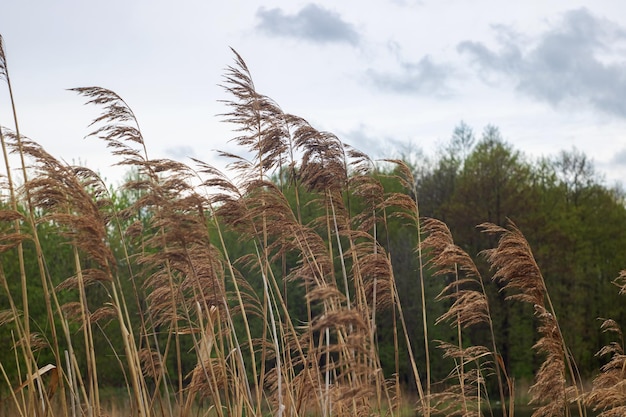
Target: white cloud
{"points": [[312, 23], [425, 77], [574, 63]]}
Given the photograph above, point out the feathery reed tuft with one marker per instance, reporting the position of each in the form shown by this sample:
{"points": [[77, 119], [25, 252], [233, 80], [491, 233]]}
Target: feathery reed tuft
{"points": [[608, 394], [556, 383], [469, 307]]}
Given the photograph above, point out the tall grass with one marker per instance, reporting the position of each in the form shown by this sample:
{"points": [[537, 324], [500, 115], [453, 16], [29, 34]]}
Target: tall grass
{"points": [[181, 286]]}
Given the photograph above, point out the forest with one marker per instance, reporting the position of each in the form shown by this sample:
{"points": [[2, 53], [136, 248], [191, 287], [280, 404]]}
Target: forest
{"points": [[309, 279]]}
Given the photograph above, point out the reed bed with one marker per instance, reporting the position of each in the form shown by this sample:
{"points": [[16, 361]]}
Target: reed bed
{"points": [[253, 292]]}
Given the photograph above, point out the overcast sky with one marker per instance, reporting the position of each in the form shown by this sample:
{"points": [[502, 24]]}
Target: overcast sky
{"points": [[384, 76]]}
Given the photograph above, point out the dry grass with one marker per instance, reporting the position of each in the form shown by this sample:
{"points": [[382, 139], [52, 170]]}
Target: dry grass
{"points": [[465, 394], [557, 382], [189, 287]]}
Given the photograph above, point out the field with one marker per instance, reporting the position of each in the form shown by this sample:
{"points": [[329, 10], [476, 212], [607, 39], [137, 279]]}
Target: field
{"points": [[269, 289]]}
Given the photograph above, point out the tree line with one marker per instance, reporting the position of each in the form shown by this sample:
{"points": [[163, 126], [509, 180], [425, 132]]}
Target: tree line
{"points": [[575, 224]]}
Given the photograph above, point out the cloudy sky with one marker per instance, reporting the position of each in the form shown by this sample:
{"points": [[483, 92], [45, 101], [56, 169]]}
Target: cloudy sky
{"points": [[386, 76]]}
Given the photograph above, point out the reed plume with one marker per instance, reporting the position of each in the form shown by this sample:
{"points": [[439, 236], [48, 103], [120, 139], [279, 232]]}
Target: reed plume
{"points": [[75, 199], [23, 327], [404, 205], [183, 272], [337, 278], [465, 290], [556, 382], [608, 394]]}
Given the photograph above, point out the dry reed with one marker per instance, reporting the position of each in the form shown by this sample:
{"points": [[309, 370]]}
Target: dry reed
{"points": [[179, 288], [556, 382]]}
